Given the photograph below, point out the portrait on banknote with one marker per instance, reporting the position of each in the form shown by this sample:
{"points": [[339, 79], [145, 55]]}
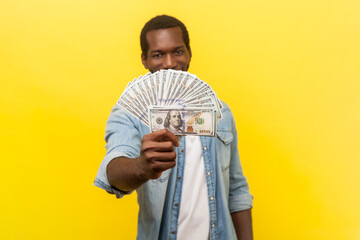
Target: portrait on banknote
{"points": [[173, 122]]}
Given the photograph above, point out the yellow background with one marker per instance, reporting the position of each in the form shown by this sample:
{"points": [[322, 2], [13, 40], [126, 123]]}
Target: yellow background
{"points": [[288, 69]]}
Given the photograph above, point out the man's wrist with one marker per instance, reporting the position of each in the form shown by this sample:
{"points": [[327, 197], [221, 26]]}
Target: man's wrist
{"points": [[142, 173]]}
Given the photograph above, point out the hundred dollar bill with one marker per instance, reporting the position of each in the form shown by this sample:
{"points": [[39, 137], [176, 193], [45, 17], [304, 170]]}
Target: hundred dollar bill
{"points": [[183, 121]]}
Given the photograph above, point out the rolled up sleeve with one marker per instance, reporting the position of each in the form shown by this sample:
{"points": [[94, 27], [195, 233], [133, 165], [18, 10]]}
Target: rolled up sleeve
{"points": [[123, 139], [239, 194]]}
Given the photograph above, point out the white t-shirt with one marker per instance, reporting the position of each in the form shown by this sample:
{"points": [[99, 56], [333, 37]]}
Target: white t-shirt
{"points": [[194, 218]]}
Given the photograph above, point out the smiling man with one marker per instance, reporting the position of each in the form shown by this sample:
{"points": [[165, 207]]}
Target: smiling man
{"points": [[165, 44], [188, 189]]}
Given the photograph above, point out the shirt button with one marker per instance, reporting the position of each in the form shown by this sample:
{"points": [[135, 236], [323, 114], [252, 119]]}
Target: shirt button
{"points": [[182, 150], [176, 204], [205, 148], [211, 198], [212, 225], [173, 232], [208, 173], [179, 177]]}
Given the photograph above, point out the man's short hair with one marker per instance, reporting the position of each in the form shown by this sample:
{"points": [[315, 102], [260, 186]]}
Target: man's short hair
{"points": [[162, 22]]}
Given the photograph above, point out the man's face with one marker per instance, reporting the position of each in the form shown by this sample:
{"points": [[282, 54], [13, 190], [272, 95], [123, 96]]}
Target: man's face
{"points": [[175, 119], [167, 50]]}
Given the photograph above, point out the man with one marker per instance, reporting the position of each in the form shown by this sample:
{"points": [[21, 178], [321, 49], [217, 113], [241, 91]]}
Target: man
{"points": [[188, 189], [173, 122]]}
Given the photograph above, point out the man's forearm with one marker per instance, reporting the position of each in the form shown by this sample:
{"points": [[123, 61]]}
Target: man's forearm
{"points": [[243, 224], [124, 173]]}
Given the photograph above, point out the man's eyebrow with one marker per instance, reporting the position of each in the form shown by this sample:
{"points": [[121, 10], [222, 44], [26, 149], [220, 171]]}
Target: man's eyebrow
{"points": [[156, 50], [159, 50], [181, 46]]}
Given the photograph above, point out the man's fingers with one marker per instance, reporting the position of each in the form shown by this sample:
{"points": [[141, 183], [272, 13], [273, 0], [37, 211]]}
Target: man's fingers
{"points": [[163, 166], [158, 153], [162, 135], [157, 146], [153, 157]]}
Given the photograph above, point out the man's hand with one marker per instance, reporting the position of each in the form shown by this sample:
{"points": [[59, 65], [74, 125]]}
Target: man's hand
{"points": [[157, 155]]}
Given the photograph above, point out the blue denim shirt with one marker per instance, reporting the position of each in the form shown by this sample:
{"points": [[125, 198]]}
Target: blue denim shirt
{"points": [[159, 199]]}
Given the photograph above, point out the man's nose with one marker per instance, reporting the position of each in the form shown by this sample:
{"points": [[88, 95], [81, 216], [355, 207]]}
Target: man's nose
{"points": [[169, 62]]}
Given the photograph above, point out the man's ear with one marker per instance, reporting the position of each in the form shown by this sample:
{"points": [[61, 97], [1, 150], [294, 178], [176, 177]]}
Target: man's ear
{"points": [[143, 60]]}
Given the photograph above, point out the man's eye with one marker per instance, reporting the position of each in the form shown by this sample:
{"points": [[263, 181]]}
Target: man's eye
{"points": [[156, 55], [179, 52]]}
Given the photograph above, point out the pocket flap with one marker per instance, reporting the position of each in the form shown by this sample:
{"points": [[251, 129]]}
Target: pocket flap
{"points": [[225, 137]]}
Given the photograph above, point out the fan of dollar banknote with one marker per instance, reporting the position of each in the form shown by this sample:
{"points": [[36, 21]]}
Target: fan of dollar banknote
{"points": [[176, 100]]}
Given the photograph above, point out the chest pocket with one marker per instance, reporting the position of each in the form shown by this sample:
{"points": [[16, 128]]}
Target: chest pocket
{"points": [[224, 138]]}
